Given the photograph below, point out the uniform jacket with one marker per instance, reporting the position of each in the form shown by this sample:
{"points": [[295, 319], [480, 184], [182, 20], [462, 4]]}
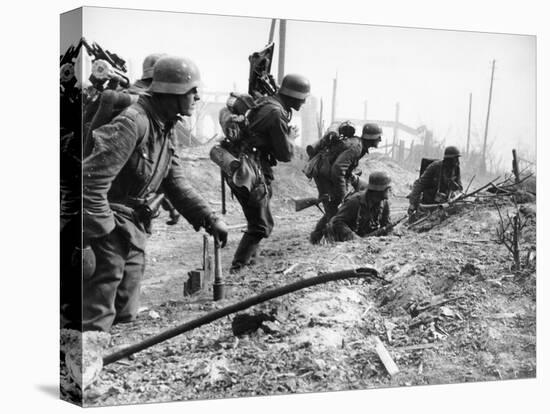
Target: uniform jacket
{"points": [[269, 133], [359, 215], [435, 179], [349, 152], [117, 174]]}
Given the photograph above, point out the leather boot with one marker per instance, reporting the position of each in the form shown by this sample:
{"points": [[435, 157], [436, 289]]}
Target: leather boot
{"points": [[246, 249], [317, 234]]}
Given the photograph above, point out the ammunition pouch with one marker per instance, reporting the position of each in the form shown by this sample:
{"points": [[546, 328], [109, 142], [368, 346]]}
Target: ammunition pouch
{"points": [[140, 210]]}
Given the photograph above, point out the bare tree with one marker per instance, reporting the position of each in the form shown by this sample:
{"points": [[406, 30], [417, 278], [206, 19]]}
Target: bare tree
{"points": [[508, 233]]}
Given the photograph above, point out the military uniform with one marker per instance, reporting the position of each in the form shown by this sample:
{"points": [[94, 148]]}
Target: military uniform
{"points": [[342, 158], [359, 215], [267, 142], [133, 157], [437, 178]]}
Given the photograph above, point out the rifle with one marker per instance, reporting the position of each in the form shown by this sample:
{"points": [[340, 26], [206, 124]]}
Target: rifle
{"points": [[303, 203], [459, 199], [383, 230], [260, 80]]}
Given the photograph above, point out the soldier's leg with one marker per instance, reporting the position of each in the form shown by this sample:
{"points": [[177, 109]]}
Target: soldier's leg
{"points": [[100, 290], [260, 224], [324, 188], [71, 275], [127, 297]]}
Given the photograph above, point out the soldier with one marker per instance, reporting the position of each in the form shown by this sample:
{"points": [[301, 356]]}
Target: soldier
{"points": [[269, 140], [139, 87], [364, 212], [132, 160], [438, 182], [342, 157]]}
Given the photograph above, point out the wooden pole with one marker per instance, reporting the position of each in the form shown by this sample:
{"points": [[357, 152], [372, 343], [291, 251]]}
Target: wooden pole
{"points": [[484, 153], [272, 30], [365, 111], [282, 45], [515, 165], [469, 124], [334, 86], [395, 131]]}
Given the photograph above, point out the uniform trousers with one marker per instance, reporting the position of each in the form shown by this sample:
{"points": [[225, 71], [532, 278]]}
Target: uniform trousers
{"points": [[111, 294]]}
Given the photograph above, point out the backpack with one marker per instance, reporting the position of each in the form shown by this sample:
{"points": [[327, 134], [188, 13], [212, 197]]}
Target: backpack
{"points": [[233, 117], [111, 103], [323, 154]]}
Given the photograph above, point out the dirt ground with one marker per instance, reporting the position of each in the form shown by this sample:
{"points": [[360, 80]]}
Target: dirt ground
{"points": [[323, 337]]}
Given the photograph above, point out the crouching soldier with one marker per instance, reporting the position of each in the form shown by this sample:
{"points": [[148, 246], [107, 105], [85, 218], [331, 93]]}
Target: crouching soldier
{"points": [[335, 172], [132, 163], [438, 182], [363, 213]]}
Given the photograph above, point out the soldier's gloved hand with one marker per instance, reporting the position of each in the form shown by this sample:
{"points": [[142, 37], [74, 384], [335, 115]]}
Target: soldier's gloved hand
{"points": [[218, 229]]}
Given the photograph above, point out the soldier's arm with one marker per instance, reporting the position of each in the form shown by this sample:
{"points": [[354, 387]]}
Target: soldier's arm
{"points": [[458, 180], [340, 169], [343, 222], [278, 130], [422, 183], [385, 219], [113, 146], [187, 201]]}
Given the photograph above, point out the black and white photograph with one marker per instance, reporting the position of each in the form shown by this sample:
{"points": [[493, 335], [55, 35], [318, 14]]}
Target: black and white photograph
{"points": [[265, 206]]}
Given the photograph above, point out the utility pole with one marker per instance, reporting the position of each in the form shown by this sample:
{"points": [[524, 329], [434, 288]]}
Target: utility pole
{"points": [[395, 131], [365, 110], [282, 43], [469, 124], [334, 86], [272, 30], [487, 120]]}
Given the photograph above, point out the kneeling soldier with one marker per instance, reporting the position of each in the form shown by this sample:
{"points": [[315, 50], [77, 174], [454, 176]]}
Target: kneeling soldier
{"points": [[438, 182], [362, 213]]}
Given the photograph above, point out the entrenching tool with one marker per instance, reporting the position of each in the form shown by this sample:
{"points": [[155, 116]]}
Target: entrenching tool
{"points": [[366, 273]]}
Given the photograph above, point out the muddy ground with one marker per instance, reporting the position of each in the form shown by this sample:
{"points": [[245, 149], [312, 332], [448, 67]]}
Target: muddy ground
{"points": [[323, 337]]}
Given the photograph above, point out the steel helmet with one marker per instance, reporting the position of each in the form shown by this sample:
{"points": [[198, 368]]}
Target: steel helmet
{"points": [[174, 75], [149, 63], [295, 86], [379, 181], [347, 129], [451, 152], [372, 132]]}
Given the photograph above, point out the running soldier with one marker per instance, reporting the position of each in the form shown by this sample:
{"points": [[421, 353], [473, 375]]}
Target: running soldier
{"points": [[269, 140]]}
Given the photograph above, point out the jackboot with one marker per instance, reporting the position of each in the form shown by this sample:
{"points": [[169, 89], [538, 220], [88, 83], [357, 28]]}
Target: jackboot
{"points": [[248, 246], [317, 234]]}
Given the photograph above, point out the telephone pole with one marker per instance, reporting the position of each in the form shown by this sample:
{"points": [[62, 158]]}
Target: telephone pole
{"points": [[469, 124], [487, 120], [334, 86], [272, 30], [282, 43]]}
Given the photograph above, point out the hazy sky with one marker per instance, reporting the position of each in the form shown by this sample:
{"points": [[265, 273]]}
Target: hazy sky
{"points": [[429, 72]]}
